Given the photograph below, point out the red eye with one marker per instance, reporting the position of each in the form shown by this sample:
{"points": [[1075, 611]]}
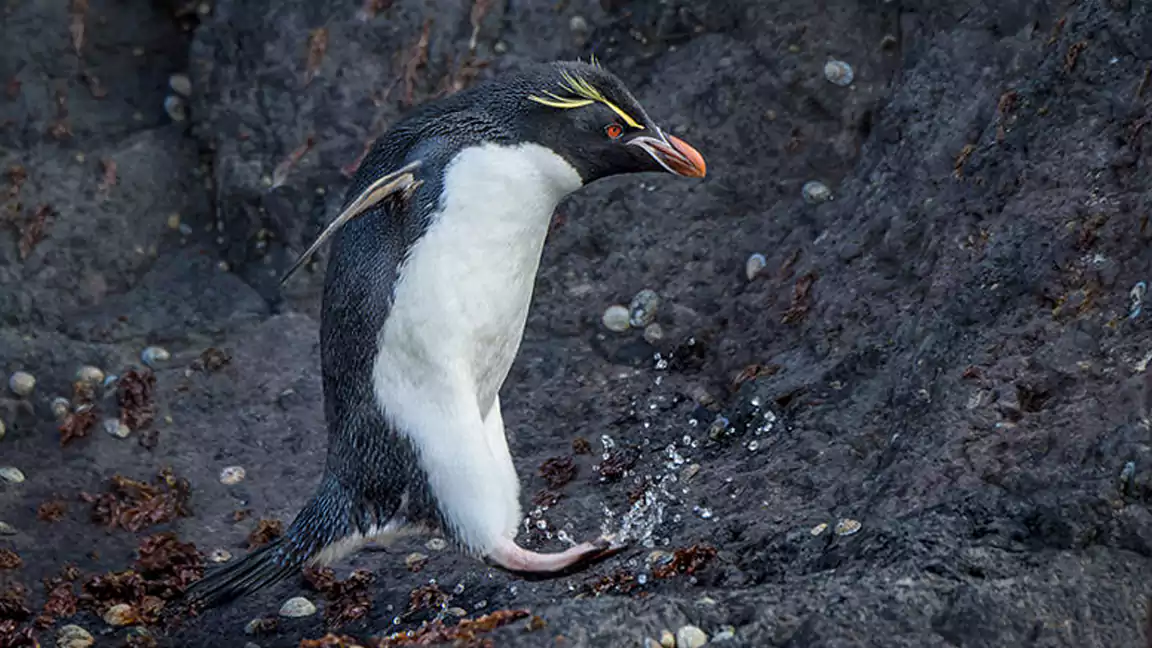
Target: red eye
{"points": [[614, 130]]}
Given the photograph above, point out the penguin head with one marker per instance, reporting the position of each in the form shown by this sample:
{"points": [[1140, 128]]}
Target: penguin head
{"points": [[586, 115]]}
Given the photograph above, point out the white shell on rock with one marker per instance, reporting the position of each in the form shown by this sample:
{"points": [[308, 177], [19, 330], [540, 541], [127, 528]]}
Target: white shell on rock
{"points": [[297, 607], [90, 374], [436, 544], [815, 192], [60, 407], [73, 636], [653, 333], [615, 318], [174, 106], [120, 614], [847, 527], [116, 428], [643, 307], [839, 72], [232, 475], [181, 84], [154, 354], [11, 475], [690, 636], [754, 265], [220, 555], [21, 383], [7, 529]]}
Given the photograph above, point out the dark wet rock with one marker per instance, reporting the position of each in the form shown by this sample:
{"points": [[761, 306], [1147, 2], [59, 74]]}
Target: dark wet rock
{"points": [[943, 353]]}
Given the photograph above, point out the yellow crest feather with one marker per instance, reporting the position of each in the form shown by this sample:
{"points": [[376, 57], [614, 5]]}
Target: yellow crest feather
{"points": [[585, 94]]}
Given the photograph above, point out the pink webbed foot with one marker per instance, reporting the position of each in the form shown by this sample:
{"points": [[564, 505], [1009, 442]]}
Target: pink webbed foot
{"points": [[513, 557]]}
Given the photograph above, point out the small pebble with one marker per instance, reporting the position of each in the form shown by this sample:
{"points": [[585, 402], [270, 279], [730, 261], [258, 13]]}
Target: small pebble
{"points": [[436, 544], [690, 636], [819, 528], [90, 374], [578, 24], [220, 555], [174, 106], [642, 309], [22, 383], [689, 472], [415, 560], [615, 318], [658, 557], [116, 428], [154, 354], [60, 407], [754, 265], [653, 333], [232, 475], [847, 527], [838, 72], [7, 529], [181, 84], [296, 607], [667, 639], [110, 380], [120, 614], [815, 192], [726, 634], [457, 612], [11, 475], [73, 636], [649, 642]]}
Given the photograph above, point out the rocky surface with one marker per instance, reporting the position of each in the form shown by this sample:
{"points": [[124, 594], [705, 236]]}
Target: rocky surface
{"points": [[948, 352]]}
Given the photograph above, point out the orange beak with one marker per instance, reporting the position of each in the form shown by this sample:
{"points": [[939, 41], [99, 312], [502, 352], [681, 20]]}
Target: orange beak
{"points": [[689, 162], [674, 154]]}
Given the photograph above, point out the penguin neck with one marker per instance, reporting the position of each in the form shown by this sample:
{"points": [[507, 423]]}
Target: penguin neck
{"points": [[499, 199]]}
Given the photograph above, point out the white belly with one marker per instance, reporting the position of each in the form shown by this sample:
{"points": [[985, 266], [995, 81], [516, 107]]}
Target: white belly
{"points": [[455, 326], [465, 289]]}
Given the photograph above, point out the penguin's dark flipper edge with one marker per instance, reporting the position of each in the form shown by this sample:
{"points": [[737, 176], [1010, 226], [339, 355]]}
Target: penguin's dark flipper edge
{"points": [[401, 180]]}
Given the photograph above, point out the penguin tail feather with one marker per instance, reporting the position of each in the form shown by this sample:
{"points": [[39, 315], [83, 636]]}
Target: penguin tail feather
{"points": [[266, 566], [325, 520]]}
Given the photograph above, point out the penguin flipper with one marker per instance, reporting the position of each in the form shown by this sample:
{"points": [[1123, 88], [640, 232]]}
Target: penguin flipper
{"points": [[401, 180]]}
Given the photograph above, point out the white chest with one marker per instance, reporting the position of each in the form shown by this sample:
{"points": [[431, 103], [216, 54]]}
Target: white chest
{"points": [[460, 305]]}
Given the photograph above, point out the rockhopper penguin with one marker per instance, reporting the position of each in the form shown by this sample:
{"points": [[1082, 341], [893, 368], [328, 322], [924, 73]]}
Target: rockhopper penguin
{"points": [[427, 291]]}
